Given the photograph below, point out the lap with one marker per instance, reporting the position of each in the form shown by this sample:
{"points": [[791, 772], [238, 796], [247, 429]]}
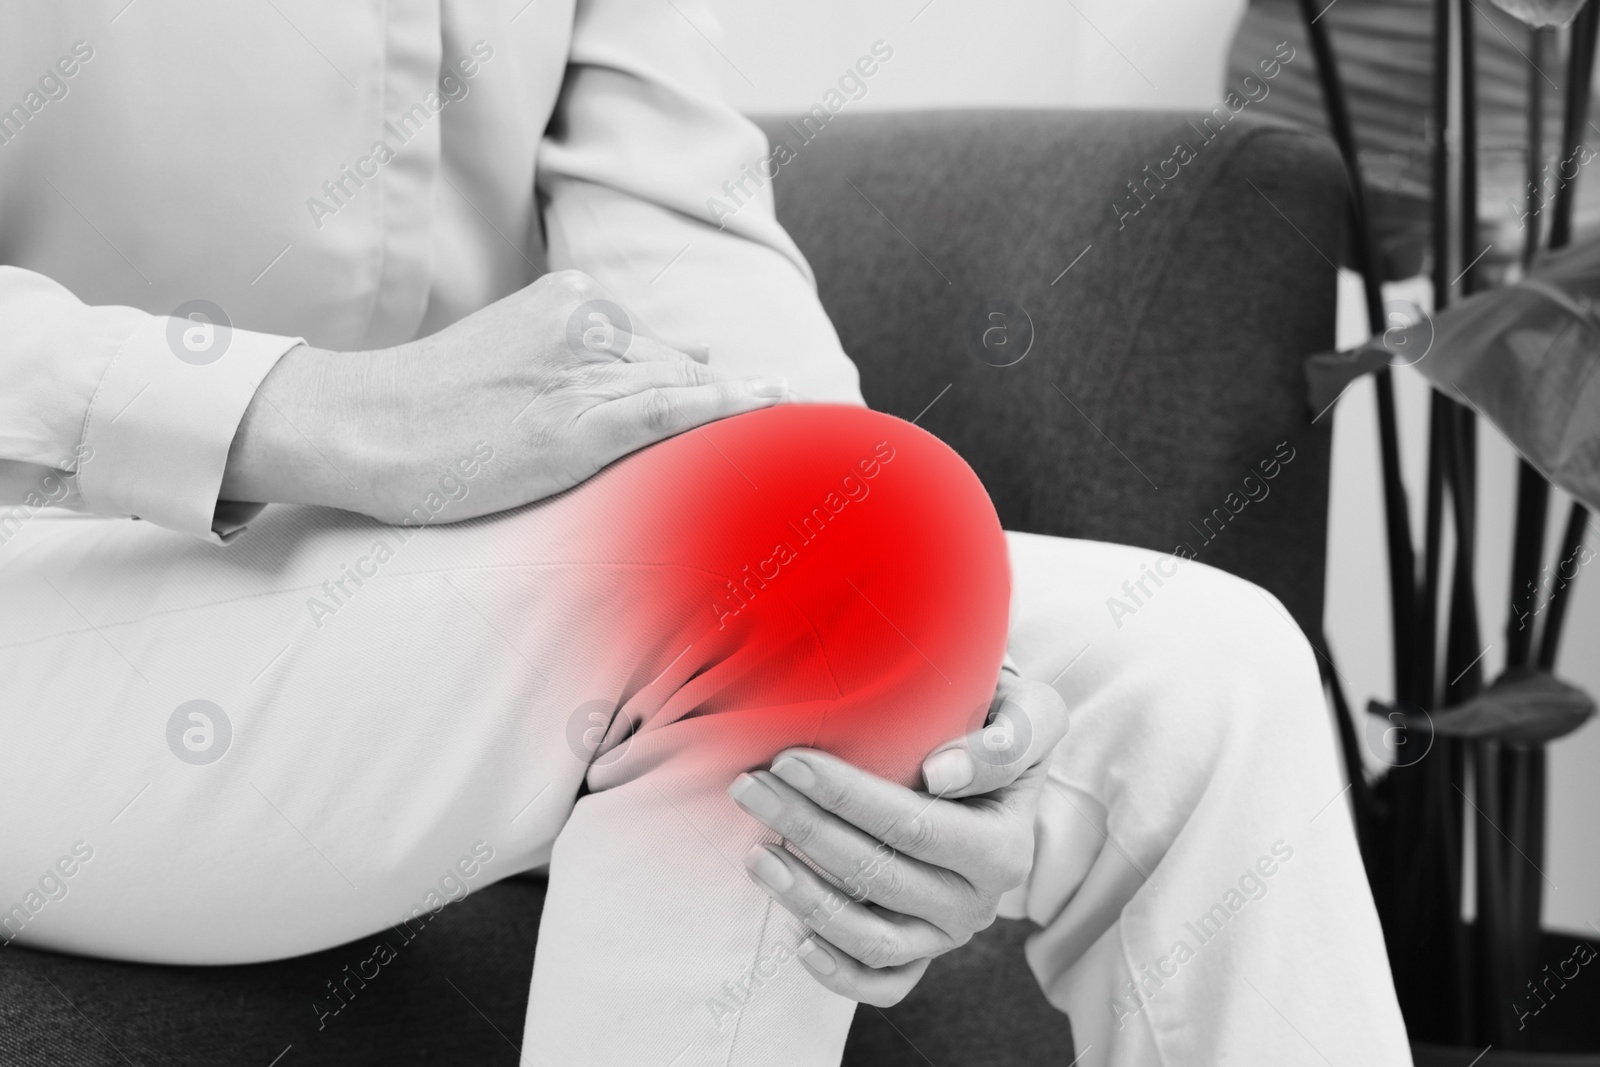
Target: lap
{"points": [[396, 701]]}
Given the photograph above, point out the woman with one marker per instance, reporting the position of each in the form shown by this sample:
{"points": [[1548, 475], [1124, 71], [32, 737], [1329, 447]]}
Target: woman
{"points": [[327, 292]]}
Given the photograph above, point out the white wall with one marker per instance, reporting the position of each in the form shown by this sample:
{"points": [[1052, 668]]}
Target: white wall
{"points": [[1136, 53], [1020, 53]]}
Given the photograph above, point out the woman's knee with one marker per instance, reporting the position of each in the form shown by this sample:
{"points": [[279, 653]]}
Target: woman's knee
{"points": [[834, 542]]}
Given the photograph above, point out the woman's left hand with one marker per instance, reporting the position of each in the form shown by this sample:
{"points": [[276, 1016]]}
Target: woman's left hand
{"points": [[922, 871]]}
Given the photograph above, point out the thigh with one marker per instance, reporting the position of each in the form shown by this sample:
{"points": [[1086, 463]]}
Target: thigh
{"points": [[266, 748], [1138, 642], [1197, 786], [1177, 677]]}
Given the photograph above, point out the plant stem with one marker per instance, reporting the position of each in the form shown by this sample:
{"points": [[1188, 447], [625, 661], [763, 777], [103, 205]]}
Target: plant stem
{"points": [[1402, 554], [1561, 588]]}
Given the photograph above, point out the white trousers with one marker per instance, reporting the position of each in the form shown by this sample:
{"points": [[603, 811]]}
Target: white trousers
{"points": [[1196, 880]]}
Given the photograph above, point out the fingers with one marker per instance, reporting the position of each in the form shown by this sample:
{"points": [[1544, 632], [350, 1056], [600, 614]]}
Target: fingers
{"points": [[836, 971], [868, 869], [643, 418], [874, 937], [983, 843], [613, 381], [1027, 722], [616, 380]]}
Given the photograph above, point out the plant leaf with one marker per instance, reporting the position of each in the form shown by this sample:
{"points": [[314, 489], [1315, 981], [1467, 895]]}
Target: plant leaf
{"points": [[1525, 356], [1329, 373], [1522, 708], [1541, 12]]}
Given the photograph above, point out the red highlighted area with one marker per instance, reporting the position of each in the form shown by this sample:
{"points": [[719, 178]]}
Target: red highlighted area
{"points": [[803, 575]]}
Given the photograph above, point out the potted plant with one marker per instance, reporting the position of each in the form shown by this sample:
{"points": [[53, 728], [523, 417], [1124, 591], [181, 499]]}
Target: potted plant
{"points": [[1469, 756]]}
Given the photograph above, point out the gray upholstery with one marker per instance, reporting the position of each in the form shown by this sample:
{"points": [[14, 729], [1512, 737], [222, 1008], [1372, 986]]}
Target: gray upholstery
{"points": [[1177, 338], [1168, 356]]}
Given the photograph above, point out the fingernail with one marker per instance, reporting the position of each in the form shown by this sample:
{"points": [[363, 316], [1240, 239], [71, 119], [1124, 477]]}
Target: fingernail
{"points": [[796, 772], [760, 862], [770, 387], [816, 957], [947, 770], [756, 798]]}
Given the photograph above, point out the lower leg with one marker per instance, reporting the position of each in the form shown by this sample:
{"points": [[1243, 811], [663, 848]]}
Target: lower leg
{"points": [[847, 590], [1196, 876]]}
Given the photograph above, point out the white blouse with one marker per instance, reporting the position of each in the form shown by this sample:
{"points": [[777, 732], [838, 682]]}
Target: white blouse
{"points": [[356, 175]]}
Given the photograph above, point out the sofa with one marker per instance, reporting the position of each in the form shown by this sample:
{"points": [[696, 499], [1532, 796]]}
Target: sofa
{"points": [[1112, 339]]}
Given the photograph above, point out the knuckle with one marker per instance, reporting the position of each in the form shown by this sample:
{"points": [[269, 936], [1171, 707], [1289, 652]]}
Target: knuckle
{"points": [[799, 830], [562, 284], [831, 795], [881, 949], [1010, 875], [888, 882], [821, 916], [658, 411], [586, 378], [691, 373], [732, 396], [574, 281], [541, 439], [978, 912], [866, 873], [915, 835]]}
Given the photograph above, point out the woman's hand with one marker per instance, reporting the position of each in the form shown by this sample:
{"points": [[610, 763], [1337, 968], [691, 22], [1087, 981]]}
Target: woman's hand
{"points": [[921, 873], [552, 378]]}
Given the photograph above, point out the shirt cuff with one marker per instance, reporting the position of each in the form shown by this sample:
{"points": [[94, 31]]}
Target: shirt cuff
{"points": [[156, 438]]}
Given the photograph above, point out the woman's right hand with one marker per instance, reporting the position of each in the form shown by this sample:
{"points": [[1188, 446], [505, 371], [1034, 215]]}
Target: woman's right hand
{"points": [[548, 377]]}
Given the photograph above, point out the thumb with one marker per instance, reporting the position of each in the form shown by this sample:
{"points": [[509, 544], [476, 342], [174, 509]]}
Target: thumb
{"points": [[1026, 721]]}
